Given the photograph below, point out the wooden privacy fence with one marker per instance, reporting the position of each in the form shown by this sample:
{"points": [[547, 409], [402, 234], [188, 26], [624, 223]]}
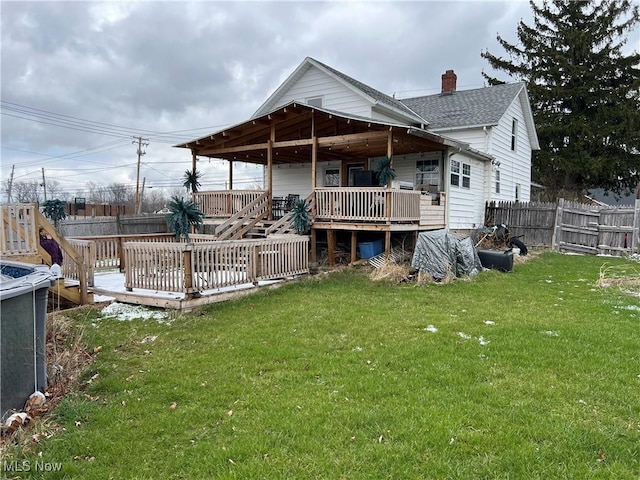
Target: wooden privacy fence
{"points": [[191, 268], [570, 226]]}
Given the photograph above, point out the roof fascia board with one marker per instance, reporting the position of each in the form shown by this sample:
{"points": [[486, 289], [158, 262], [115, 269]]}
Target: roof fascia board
{"points": [[523, 95], [463, 127]]}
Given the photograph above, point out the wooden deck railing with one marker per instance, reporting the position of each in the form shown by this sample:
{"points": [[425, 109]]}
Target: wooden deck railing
{"points": [[224, 203], [107, 252], [196, 267], [19, 239], [19, 232], [371, 204]]}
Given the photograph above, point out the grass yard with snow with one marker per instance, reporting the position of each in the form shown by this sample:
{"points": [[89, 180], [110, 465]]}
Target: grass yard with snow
{"points": [[521, 375]]}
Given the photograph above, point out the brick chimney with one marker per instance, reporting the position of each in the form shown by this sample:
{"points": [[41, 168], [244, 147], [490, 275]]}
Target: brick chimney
{"points": [[449, 79]]}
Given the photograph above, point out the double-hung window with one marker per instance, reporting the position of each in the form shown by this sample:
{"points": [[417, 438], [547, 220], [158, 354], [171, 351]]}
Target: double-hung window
{"points": [[460, 174]]}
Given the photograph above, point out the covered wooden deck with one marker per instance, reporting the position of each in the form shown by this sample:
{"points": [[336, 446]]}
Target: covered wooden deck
{"points": [[298, 133], [353, 209]]}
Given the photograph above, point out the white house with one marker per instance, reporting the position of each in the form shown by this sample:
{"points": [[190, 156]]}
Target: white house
{"points": [[494, 126], [322, 134]]}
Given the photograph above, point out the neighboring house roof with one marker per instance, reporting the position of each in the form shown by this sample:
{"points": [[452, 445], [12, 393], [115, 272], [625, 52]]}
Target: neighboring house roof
{"points": [[610, 198], [374, 96], [480, 107]]}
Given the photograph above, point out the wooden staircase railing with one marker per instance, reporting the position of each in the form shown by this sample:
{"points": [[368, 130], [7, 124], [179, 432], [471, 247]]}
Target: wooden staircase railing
{"points": [[285, 224], [244, 220], [19, 240]]}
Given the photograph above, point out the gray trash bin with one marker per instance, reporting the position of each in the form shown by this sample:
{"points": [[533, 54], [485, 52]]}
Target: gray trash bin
{"points": [[23, 330]]}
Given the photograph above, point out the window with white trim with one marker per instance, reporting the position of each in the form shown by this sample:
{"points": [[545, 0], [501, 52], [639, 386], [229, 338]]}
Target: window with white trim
{"points": [[331, 177], [517, 192], [497, 181], [466, 175], [428, 172], [460, 174], [455, 173], [514, 134]]}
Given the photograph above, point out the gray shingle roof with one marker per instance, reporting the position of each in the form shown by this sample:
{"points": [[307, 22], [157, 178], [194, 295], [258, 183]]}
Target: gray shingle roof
{"points": [[478, 107], [372, 92]]}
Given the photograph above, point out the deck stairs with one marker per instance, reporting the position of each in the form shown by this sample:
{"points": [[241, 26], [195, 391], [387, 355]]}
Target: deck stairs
{"points": [[20, 243]]}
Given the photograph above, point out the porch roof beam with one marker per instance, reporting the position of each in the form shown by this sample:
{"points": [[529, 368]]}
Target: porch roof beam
{"points": [[322, 142]]}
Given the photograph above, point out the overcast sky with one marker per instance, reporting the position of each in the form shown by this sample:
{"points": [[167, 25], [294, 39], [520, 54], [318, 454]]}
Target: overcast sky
{"points": [[81, 79]]}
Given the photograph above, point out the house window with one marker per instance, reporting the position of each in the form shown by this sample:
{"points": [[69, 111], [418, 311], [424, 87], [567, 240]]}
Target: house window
{"points": [[428, 172], [466, 175], [517, 192], [314, 102], [514, 134], [497, 181], [460, 174], [331, 177], [455, 173]]}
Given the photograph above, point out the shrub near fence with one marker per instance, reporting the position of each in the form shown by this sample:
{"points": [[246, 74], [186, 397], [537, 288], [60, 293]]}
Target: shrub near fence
{"points": [[571, 226]]}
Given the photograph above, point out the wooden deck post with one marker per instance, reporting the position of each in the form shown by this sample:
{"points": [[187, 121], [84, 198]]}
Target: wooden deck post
{"points": [[188, 269], [331, 247], [387, 244], [354, 245], [314, 246]]}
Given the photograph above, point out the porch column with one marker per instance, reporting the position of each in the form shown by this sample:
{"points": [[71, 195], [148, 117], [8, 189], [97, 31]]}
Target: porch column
{"points": [[230, 174], [314, 151], [270, 172], [193, 168], [389, 196]]}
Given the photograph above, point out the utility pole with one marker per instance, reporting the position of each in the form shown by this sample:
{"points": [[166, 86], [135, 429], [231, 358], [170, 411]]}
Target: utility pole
{"points": [[44, 185], [142, 142], [10, 184], [144, 179]]}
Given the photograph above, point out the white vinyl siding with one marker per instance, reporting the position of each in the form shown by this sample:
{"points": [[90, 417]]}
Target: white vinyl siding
{"points": [[335, 95], [466, 205]]}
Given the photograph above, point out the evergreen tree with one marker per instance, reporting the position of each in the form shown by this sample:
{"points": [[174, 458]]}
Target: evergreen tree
{"points": [[54, 210], [585, 93]]}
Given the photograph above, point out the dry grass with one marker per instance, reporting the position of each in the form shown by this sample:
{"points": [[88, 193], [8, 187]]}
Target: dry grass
{"points": [[392, 271], [67, 356], [626, 279]]}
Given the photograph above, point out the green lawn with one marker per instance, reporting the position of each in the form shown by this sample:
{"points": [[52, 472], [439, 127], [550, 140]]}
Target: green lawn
{"points": [[533, 374]]}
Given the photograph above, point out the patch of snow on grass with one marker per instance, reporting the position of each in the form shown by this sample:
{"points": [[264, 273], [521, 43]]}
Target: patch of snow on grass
{"points": [[125, 312], [431, 328], [551, 333]]}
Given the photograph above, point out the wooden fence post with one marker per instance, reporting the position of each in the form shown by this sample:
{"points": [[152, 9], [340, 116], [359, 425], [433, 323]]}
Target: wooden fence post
{"points": [[121, 256], [558, 222], [636, 227], [188, 271]]}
